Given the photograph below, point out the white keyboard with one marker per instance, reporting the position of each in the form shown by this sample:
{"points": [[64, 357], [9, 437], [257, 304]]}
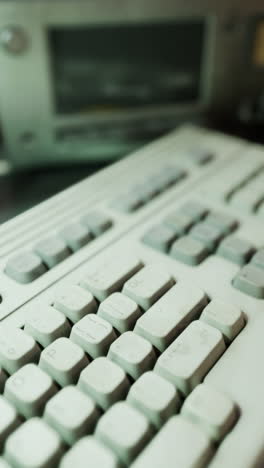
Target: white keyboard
{"points": [[132, 314]]}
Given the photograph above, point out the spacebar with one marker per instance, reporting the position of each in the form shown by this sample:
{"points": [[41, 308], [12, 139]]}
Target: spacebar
{"points": [[178, 444]]}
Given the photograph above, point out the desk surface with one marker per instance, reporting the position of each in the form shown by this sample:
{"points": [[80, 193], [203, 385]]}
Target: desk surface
{"points": [[20, 191]]}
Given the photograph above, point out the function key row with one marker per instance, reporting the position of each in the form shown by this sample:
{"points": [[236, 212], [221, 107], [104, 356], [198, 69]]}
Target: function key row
{"points": [[141, 194], [49, 252]]}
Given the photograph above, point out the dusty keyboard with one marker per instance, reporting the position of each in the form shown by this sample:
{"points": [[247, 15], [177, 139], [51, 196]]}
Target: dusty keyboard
{"points": [[132, 314]]}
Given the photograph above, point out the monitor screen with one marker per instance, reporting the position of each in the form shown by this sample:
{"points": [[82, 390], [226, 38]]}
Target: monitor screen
{"points": [[126, 66]]}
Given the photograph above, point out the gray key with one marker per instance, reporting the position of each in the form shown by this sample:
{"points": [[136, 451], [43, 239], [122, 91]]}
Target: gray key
{"points": [[98, 222], [148, 285], [29, 389], [189, 251], [25, 267], [200, 156], [52, 251], [74, 302], [236, 250], [173, 174], [16, 348], [179, 222], [160, 237], [188, 359], [207, 234], [167, 177], [71, 413], [179, 443], [128, 203], [258, 259], [93, 334], [46, 325], [146, 191], [89, 448], [195, 210], [120, 311], [227, 317], [63, 360], [213, 411], [224, 222], [104, 381], [155, 397], [76, 235], [109, 276], [9, 420], [166, 319], [124, 430], [34, 444], [250, 280], [133, 353]]}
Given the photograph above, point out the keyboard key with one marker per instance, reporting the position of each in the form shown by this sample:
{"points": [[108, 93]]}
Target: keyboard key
{"points": [[207, 234], [74, 302], [97, 222], [52, 251], [179, 222], [29, 389], [16, 349], [167, 176], [46, 325], [173, 174], [171, 314], [188, 359], [133, 353], [250, 280], [89, 448], [227, 318], [250, 197], [128, 203], [9, 420], [213, 411], [76, 235], [93, 334], [236, 250], [160, 237], [104, 381], [189, 251], [148, 285], [258, 259], [109, 277], [170, 448], [146, 191], [120, 311], [25, 267], [156, 398], [71, 413], [34, 444], [63, 360], [194, 210], [200, 156], [221, 221], [124, 430]]}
